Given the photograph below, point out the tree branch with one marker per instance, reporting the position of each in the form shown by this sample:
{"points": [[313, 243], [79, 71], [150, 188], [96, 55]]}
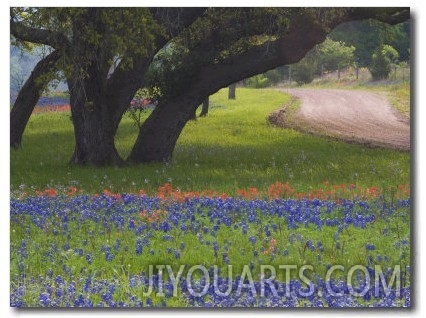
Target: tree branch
{"points": [[54, 39], [306, 30], [176, 19], [387, 15], [130, 80]]}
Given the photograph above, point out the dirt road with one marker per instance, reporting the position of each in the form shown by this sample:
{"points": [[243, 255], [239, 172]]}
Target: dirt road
{"points": [[352, 115]]}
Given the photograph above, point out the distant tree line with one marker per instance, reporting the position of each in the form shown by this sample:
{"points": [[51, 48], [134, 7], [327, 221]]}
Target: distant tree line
{"points": [[369, 43]]}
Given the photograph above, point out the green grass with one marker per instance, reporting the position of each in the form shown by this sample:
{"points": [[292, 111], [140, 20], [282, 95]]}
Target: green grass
{"points": [[233, 147], [398, 95]]}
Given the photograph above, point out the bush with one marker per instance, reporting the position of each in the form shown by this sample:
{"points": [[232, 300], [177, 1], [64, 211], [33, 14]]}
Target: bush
{"points": [[382, 60], [258, 81], [274, 76], [303, 72]]}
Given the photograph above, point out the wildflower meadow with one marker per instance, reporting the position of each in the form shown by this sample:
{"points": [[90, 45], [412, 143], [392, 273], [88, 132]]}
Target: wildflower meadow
{"points": [[339, 246], [244, 215]]}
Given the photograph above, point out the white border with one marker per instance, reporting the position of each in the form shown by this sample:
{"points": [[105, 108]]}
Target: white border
{"points": [[418, 13]]}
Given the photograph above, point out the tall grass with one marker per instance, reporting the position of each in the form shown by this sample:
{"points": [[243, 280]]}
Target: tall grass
{"points": [[233, 147]]}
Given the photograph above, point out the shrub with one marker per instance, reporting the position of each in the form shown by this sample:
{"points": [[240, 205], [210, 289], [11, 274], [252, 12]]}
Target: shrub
{"points": [[258, 81], [382, 60], [303, 72]]}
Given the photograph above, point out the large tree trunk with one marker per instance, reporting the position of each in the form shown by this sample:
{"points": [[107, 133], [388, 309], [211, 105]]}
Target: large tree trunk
{"points": [[159, 133], [94, 139], [28, 97], [93, 121]]}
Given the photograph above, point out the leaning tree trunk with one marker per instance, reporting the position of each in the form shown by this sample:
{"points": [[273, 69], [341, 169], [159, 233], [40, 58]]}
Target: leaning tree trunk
{"points": [[28, 97], [159, 133]]}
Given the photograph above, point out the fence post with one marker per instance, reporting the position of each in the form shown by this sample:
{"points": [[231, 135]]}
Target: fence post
{"points": [[289, 74], [357, 67]]}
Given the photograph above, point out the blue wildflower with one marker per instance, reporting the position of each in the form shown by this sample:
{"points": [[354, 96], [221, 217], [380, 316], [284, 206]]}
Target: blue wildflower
{"points": [[138, 248], [44, 299], [370, 247], [252, 240]]}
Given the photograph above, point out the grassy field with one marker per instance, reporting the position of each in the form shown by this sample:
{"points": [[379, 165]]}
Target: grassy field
{"points": [[81, 249], [234, 147]]}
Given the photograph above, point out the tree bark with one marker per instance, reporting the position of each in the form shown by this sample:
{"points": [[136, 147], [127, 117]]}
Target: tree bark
{"points": [[159, 133], [28, 97], [205, 108], [231, 91], [93, 120]]}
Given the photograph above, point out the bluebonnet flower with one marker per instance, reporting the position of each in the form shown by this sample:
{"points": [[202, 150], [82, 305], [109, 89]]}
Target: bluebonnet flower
{"points": [[244, 229], [149, 302], [252, 239], [107, 297], [215, 248], [79, 251], [177, 254], [225, 258], [370, 247], [79, 302], [109, 257], [138, 248], [117, 244], [165, 226], [168, 238], [89, 258], [267, 231], [59, 293], [87, 284], [59, 280], [44, 299]]}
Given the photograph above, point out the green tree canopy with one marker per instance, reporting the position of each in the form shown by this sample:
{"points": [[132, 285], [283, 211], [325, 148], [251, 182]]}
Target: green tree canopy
{"points": [[367, 35], [333, 54]]}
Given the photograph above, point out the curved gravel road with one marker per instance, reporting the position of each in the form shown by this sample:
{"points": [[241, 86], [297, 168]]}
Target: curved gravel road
{"points": [[352, 115]]}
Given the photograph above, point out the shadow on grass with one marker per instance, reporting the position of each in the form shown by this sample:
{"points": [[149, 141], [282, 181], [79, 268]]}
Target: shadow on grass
{"points": [[199, 163]]}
